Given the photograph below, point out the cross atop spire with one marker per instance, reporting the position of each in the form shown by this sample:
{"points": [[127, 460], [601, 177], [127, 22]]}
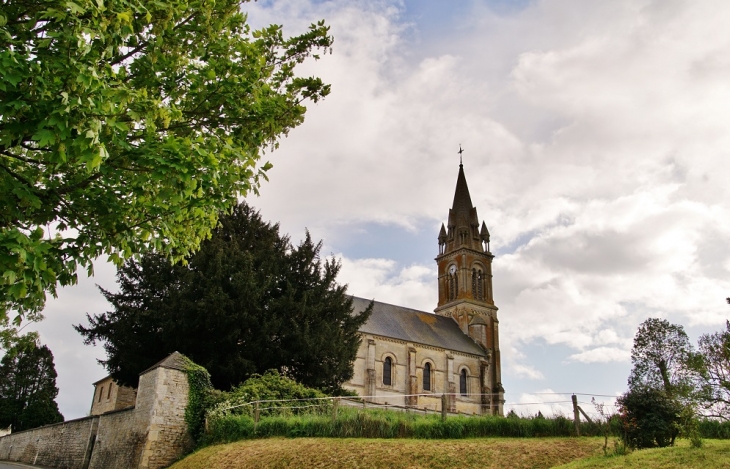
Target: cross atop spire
{"points": [[461, 150]]}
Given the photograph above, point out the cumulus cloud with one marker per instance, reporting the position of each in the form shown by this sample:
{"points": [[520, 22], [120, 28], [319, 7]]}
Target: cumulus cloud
{"points": [[546, 401], [526, 371], [384, 280], [601, 355], [596, 136]]}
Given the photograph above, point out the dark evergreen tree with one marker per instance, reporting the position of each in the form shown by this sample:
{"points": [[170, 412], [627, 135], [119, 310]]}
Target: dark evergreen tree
{"points": [[248, 301], [28, 386]]}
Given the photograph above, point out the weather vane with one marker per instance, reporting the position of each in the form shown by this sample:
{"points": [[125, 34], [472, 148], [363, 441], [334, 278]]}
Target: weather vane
{"points": [[460, 152]]}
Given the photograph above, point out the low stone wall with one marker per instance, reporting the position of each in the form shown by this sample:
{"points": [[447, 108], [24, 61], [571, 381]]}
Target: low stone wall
{"points": [[120, 440], [66, 444], [150, 435]]}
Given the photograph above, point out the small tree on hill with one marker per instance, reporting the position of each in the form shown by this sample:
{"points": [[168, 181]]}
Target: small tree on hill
{"points": [[650, 417], [712, 365], [28, 386], [247, 302], [660, 354]]}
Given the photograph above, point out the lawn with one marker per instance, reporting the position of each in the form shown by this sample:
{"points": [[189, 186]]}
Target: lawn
{"points": [[713, 454], [486, 453]]}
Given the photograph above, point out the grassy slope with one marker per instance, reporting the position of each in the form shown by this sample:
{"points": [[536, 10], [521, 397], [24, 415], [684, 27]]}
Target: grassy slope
{"points": [[713, 454], [487, 453]]}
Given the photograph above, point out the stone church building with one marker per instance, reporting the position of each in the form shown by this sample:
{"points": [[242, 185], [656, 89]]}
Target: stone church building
{"points": [[411, 358]]}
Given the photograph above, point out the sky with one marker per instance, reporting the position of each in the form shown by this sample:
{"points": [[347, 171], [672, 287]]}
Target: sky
{"points": [[595, 136]]}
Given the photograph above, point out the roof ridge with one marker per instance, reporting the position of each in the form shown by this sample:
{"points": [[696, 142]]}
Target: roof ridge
{"points": [[174, 361]]}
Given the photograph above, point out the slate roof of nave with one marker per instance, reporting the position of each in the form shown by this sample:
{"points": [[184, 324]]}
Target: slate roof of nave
{"points": [[415, 326]]}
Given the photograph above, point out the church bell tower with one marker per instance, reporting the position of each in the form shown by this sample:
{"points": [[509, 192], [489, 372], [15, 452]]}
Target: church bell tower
{"points": [[465, 288]]}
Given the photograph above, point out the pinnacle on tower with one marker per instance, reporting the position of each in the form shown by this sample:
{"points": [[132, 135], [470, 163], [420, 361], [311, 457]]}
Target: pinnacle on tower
{"points": [[484, 236], [442, 234]]}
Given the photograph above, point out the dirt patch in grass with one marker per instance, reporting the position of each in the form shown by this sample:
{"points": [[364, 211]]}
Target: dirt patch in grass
{"points": [[486, 453]]}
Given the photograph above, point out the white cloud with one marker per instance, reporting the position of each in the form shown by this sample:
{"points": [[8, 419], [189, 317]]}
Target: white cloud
{"points": [[546, 401], [384, 280], [602, 355], [526, 371], [596, 139], [76, 364]]}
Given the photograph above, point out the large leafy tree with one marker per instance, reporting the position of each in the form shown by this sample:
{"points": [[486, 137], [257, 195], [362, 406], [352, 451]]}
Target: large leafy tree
{"points": [[660, 354], [126, 126], [248, 301], [28, 386], [712, 365]]}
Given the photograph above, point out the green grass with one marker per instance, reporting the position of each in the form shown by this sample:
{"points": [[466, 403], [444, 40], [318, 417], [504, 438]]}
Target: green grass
{"points": [[486, 453], [345, 453], [357, 423], [713, 454]]}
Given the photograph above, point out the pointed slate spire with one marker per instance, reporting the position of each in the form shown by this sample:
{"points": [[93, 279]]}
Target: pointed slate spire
{"points": [[462, 200]]}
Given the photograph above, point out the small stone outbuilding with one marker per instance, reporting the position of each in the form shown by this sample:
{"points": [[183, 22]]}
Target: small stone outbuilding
{"points": [[108, 396]]}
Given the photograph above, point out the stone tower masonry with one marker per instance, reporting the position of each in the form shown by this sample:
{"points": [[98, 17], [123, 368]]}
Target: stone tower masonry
{"points": [[465, 288]]}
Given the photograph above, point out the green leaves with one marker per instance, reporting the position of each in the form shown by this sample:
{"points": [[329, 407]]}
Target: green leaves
{"points": [[659, 356], [28, 386], [133, 123], [246, 302]]}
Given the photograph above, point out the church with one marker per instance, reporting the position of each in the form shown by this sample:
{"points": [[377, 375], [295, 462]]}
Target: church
{"points": [[411, 358]]}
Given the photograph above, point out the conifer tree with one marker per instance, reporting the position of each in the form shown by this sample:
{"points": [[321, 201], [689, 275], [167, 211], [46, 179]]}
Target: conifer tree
{"points": [[247, 302], [28, 386]]}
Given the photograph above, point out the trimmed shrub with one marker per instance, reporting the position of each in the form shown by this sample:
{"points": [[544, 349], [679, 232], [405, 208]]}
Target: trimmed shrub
{"points": [[650, 418]]}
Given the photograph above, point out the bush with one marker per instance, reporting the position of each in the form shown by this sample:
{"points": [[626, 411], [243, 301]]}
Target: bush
{"points": [[269, 386], [650, 418], [719, 429]]}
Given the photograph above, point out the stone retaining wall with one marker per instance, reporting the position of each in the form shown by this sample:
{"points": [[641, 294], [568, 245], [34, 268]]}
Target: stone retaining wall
{"points": [[59, 445], [119, 441], [150, 435]]}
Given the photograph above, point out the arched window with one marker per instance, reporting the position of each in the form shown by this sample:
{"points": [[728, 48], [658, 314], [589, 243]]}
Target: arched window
{"points": [[387, 370], [101, 392], [427, 377], [474, 283], [480, 285], [462, 383]]}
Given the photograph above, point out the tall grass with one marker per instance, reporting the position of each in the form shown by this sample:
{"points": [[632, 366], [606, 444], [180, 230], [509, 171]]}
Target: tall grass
{"points": [[714, 429], [359, 423]]}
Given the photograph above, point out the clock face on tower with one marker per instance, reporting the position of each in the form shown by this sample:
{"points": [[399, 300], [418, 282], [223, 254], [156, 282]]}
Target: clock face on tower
{"points": [[452, 269]]}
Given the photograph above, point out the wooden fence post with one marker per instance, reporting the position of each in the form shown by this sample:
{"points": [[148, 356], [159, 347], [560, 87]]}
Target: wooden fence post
{"points": [[576, 415], [444, 404], [256, 413]]}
